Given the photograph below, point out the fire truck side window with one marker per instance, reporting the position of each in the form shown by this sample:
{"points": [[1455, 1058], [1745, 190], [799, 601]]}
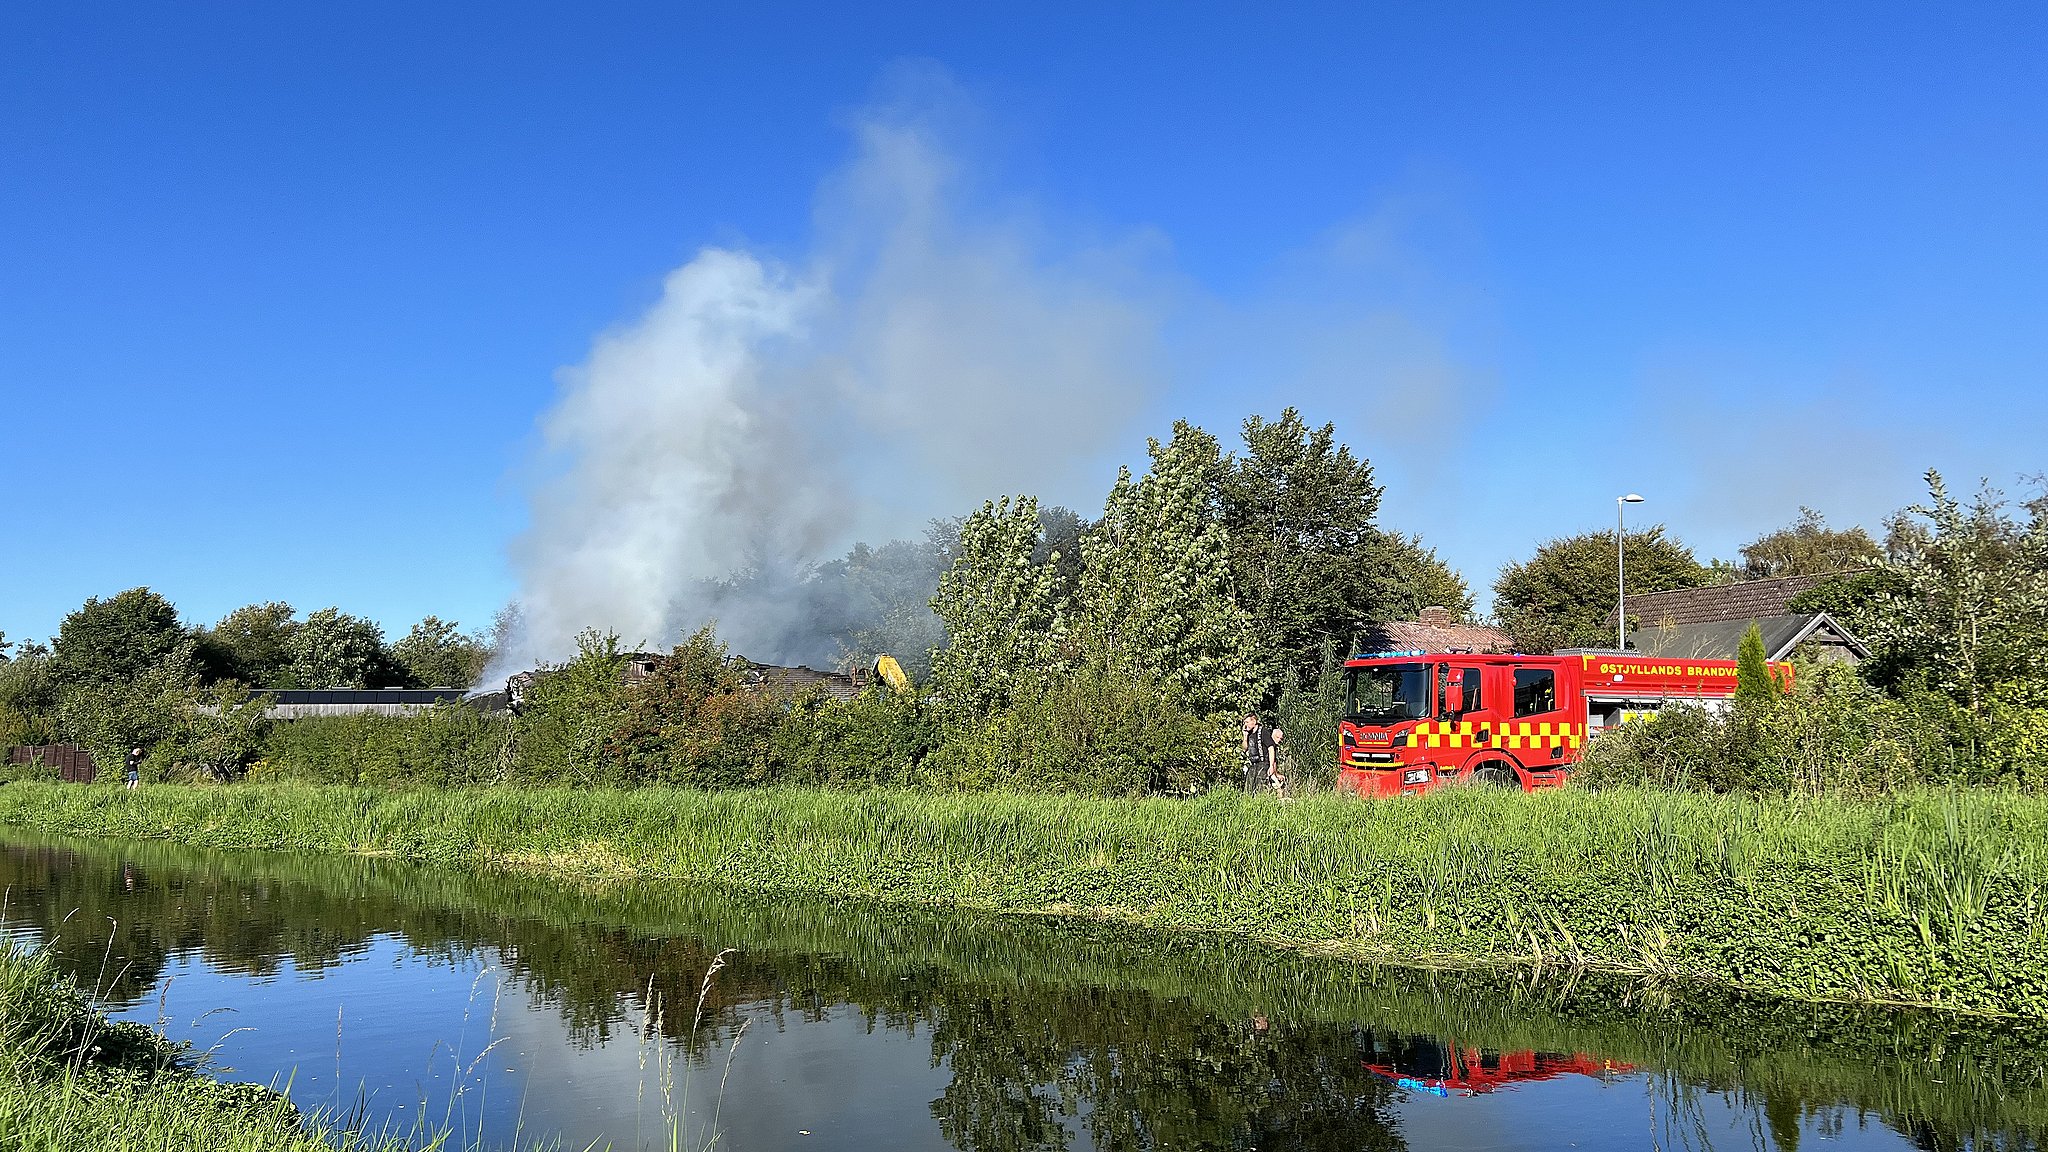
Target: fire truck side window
{"points": [[1535, 691], [1472, 701]]}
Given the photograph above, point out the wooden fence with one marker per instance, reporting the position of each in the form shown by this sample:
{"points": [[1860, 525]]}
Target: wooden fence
{"points": [[74, 765]]}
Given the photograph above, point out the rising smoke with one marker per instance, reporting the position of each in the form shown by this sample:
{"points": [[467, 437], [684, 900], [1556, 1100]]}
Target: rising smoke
{"points": [[762, 415]]}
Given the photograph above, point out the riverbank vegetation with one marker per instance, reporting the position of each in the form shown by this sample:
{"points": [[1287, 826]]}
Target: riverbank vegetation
{"points": [[71, 1080], [1929, 899], [1075, 996]]}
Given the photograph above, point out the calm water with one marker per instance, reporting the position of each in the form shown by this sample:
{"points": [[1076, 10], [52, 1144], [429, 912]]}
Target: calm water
{"points": [[499, 1006]]}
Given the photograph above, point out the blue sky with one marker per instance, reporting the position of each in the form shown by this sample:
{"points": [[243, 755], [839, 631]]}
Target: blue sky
{"points": [[284, 292]]}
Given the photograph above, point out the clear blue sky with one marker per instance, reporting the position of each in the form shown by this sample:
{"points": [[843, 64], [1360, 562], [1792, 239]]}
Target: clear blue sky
{"points": [[283, 288]]}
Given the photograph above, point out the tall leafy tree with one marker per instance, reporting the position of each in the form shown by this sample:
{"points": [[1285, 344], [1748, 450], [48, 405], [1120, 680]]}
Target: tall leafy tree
{"points": [[1059, 544], [148, 709], [436, 654], [1005, 623], [1966, 607], [117, 640], [877, 600], [1156, 588], [1405, 576], [333, 649], [29, 696], [1299, 510], [1808, 547], [252, 644], [1563, 596], [125, 668]]}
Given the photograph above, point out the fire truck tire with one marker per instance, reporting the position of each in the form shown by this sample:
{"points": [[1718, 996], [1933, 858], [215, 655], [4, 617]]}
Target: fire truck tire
{"points": [[1496, 773]]}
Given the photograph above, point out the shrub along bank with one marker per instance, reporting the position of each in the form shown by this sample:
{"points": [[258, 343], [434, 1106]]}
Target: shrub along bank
{"points": [[699, 721], [1930, 898]]}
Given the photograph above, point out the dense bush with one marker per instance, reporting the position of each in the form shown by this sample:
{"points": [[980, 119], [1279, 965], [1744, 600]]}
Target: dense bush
{"points": [[447, 745], [697, 720], [1090, 732], [568, 714], [1832, 734], [876, 739]]}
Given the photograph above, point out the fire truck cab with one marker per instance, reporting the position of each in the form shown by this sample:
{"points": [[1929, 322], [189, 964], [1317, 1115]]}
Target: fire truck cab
{"points": [[1416, 721]]}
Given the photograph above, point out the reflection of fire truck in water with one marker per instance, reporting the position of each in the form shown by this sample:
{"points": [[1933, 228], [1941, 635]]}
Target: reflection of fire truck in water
{"points": [[1416, 720], [1447, 1070]]}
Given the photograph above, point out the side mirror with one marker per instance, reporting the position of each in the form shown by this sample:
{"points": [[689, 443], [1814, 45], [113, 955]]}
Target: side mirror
{"points": [[1454, 697]]}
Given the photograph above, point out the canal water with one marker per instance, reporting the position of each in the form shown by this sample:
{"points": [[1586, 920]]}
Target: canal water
{"points": [[411, 1000]]}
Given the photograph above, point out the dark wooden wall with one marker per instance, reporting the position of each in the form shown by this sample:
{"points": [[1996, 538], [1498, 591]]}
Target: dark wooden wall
{"points": [[74, 764]]}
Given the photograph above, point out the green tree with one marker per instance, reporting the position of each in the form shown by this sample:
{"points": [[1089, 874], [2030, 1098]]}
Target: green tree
{"points": [[1753, 680], [29, 697], [1406, 576], [253, 644], [435, 654], [1808, 547], [568, 715], [333, 649], [149, 709], [1966, 608], [1563, 596], [1005, 624], [1157, 602], [107, 643], [878, 600], [1857, 600], [1298, 508], [125, 670], [1059, 544]]}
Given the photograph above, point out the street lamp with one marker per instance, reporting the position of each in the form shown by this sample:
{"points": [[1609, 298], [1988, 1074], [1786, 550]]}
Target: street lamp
{"points": [[1621, 572]]}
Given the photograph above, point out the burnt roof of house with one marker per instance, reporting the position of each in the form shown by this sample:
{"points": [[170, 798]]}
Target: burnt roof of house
{"points": [[1743, 600], [838, 685]]}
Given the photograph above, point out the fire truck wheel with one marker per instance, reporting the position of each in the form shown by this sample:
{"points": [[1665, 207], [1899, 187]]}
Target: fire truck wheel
{"points": [[1498, 773]]}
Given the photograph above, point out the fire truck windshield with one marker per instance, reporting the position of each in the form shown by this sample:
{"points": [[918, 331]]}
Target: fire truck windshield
{"points": [[1385, 694]]}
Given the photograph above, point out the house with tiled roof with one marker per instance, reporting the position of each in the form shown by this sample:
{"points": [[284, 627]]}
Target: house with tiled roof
{"points": [[1709, 622], [1433, 630]]}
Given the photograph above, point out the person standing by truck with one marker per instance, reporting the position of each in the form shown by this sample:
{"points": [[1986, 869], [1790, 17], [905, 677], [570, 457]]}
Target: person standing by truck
{"points": [[1254, 753], [1276, 760]]}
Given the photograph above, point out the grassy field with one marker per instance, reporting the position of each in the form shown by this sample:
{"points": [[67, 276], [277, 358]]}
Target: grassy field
{"points": [[1929, 899]]}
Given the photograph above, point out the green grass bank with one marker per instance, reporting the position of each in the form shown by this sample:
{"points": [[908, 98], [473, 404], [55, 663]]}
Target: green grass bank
{"points": [[73, 1081], [1929, 899]]}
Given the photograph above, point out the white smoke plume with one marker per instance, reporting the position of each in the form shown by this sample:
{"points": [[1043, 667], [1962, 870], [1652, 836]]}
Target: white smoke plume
{"points": [[762, 415]]}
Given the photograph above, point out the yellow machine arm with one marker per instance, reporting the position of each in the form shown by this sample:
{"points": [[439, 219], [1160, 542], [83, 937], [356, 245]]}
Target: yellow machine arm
{"points": [[891, 673]]}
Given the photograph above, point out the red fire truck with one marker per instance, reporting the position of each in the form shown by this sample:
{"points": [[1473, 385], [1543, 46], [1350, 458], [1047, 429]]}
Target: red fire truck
{"points": [[1415, 721]]}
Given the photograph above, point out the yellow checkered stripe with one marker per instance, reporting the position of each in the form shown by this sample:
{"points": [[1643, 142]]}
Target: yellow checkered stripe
{"points": [[1511, 734]]}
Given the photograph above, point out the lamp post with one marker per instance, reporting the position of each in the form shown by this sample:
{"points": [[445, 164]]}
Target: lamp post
{"points": [[1621, 571]]}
